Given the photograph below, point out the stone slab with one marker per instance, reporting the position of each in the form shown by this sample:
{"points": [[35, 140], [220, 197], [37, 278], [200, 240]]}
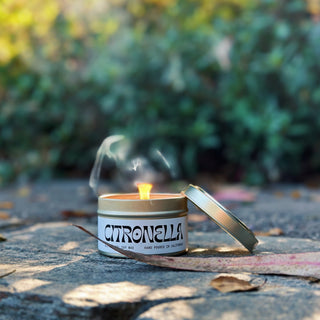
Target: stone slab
{"points": [[292, 208], [60, 275]]}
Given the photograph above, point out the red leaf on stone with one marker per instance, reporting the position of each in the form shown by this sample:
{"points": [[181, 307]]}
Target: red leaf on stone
{"points": [[235, 194], [305, 264]]}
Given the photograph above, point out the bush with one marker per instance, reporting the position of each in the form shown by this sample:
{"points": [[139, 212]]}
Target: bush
{"points": [[160, 72], [271, 95]]}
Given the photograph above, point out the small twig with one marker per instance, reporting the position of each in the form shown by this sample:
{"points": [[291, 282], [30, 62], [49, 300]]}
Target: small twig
{"points": [[6, 274]]}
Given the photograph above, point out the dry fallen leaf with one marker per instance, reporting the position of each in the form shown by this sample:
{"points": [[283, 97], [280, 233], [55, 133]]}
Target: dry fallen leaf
{"points": [[270, 232], [6, 205], [7, 274], [2, 238], [279, 194], [4, 215], [305, 264], [24, 191], [77, 214], [296, 194], [232, 284]]}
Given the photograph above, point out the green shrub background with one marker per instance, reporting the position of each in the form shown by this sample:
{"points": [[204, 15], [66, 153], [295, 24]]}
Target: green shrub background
{"points": [[221, 87]]}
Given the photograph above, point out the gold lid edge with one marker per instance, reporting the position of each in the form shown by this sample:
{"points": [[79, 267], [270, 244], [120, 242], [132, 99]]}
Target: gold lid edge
{"points": [[221, 216]]}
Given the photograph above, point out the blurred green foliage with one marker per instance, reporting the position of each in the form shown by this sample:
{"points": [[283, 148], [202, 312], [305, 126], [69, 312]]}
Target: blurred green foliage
{"points": [[271, 92], [220, 86]]}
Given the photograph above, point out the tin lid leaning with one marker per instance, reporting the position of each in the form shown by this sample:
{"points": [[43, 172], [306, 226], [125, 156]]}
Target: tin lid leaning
{"points": [[221, 216]]}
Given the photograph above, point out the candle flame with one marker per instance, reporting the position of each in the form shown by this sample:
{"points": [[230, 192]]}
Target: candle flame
{"points": [[144, 190]]}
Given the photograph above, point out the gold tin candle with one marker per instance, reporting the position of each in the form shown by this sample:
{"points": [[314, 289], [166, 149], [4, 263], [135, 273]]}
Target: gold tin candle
{"points": [[157, 225]]}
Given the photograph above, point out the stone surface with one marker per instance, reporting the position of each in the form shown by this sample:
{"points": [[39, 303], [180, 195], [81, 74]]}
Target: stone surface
{"points": [[48, 201], [60, 275], [293, 208]]}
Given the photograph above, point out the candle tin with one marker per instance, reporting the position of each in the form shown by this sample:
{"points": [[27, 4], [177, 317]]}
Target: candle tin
{"points": [[159, 225], [154, 226]]}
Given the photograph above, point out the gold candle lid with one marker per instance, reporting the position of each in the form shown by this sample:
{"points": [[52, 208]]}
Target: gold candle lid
{"points": [[221, 216]]}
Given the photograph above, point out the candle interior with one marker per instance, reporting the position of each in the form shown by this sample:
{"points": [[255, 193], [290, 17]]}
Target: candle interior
{"points": [[136, 196]]}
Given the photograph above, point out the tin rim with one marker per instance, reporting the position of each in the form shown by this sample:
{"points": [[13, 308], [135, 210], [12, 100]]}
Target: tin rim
{"points": [[163, 203], [221, 216], [121, 256]]}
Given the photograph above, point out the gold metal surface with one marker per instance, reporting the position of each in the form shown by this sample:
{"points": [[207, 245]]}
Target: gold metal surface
{"points": [[131, 204], [221, 216]]}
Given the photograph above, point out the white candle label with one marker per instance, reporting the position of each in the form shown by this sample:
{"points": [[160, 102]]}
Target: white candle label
{"points": [[153, 236]]}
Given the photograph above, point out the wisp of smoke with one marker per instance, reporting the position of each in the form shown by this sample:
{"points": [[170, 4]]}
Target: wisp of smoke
{"points": [[131, 166]]}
